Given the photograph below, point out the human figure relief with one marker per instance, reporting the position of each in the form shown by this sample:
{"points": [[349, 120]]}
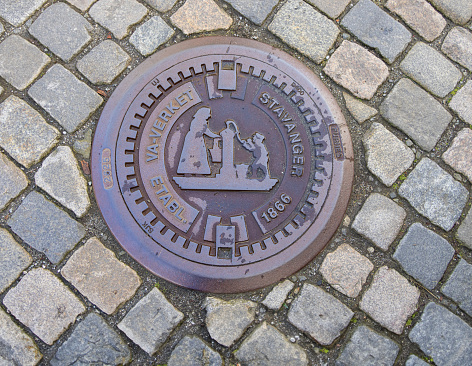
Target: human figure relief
{"points": [[194, 157], [257, 146]]}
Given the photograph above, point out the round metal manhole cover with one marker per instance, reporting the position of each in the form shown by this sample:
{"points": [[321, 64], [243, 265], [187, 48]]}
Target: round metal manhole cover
{"points": [[222, 164]]}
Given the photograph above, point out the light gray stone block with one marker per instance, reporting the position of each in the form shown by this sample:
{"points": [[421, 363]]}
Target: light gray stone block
{"points": [[431, 69], [275, 299], [390, 300], [424, 255], [266, 346], [415, 361], [459, 11], [197, 16], [458, 155], [161, 5], [461, 103], [443, 336], [434, 194], [64, 97], [60, 176], [464, 233], [81, 4], [16, 12], [377, 29], [83, 146], [61, 29], [302, 27], [192, 351], [93, 342], [24, 134], [104, 63], [319, 314], [255, 11], [96, 272], [150, 35], [226, 321], [379, 220], [368, 348], [13, 259], [12, 181], [346, 270], [150, 321], [17, 347], [459, 286], [387, 157], [420, 16], [28, 62], [458, 46], [332, 8], [45, 227], [359, 110], [118, 15], [356, 69], [415, 112], [42, 303]]}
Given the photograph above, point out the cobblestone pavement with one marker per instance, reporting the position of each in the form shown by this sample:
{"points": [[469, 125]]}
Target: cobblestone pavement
{"points": [[393, 286]]}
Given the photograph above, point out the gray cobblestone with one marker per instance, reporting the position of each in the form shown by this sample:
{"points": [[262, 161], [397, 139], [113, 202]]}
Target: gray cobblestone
{"points": [[460, 11], [368, 348], [275, 299], [319, 314], [226, 321], [461, 103], [362, 72], [332, 8], [118, 15], [458, 155], [16, 12], [415, 361], [61, 29], [464, 233], [443, 336], [415, 112], [149, 36], [12, 181], [390, 299], [98, 275], [458, 46], [192, 351], [104, 63], [17, 347], [42, 303], [434, 194], [150, 321], [24, 134], [45, 227], [424, 255], [420, 16], [267, 346], [431, 69], [83, 146], [305, 29], [197, 16], [60, 176], [92, 342], [387, 157], [161, 5], [13, 259], [22, 69], [346, 270], [257, 12], [369, 23], [379, 220], [64, 97], [459, 286], [359, 110]]}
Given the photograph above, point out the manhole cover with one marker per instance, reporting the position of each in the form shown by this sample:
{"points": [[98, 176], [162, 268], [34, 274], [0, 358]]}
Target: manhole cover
{"points": [[222, 164]]}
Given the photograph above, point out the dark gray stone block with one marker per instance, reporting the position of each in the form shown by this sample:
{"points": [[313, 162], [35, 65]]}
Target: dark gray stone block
{"points": [[459, 286], [424, 255], [192, 351]]}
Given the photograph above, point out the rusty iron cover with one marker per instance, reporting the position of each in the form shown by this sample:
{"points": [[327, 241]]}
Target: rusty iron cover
{"points": [[222, 164]]}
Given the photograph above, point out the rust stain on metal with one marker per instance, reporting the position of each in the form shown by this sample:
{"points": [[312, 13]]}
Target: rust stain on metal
{"points": [[233, 163]]}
